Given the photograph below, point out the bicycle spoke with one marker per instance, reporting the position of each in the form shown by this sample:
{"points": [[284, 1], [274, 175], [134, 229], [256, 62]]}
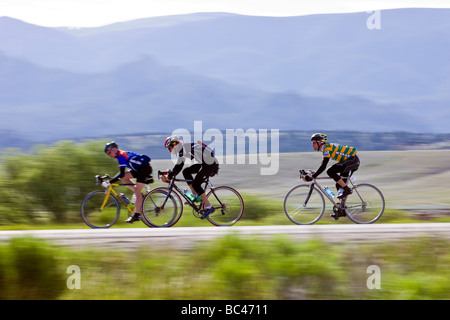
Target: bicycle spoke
{"points": [[304, 205], [159, 209], [365, 204], [228, 205], [94, 216]]}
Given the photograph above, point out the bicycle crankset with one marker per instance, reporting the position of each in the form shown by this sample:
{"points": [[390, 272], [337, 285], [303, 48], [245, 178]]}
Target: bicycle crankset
{"points": [[338, 212], [198, 214]]}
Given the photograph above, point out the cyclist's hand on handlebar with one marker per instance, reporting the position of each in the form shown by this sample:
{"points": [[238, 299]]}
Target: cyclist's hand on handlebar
{"points": [[165, 179], [106, 184], [306, 175]]}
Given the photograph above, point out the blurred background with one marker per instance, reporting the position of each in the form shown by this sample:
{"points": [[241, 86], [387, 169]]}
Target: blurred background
{"points": [[66, 91], [315, 72]]}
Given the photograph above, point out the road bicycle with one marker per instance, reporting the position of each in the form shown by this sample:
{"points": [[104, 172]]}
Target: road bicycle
{"points": [[101, 208], [163, 206], [305, 203]]}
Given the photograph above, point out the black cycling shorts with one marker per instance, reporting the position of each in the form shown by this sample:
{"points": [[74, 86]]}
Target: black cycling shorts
{"points": [[343, 169], [143, 174], [203, 172]]}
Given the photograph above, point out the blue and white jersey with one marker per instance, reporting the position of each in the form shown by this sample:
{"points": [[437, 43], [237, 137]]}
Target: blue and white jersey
{"points": [[131, 160]]}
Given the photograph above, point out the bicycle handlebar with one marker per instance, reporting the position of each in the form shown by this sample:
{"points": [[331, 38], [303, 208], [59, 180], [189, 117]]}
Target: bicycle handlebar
{"points": [[101, 179], [304, 173], [163, 173]]}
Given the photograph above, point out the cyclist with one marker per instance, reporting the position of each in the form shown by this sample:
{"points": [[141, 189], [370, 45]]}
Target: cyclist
{"points": [[141, 169], [206, 166], [347, 162]]}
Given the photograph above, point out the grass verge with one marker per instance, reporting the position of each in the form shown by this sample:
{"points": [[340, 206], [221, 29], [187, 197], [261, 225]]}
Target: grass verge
{"points": [[232, 268]]}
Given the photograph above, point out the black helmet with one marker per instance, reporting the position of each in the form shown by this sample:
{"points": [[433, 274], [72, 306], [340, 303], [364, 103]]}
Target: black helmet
{"points": [[110, 145], [320, 137]]}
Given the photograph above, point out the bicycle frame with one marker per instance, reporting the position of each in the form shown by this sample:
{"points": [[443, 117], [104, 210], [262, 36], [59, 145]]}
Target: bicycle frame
{"points": [[173, 186], [366, 206], [108, 201], [111, 190], [315, 183]]}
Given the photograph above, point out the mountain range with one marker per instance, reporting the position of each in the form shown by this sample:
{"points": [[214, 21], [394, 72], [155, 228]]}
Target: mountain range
{"points": [[327, 72]]}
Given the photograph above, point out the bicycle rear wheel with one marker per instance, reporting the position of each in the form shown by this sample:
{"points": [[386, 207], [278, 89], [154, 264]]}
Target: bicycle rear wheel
{"points": [[161, 210], [94, 216], [228, 205], [304, 205], [365, 204]]}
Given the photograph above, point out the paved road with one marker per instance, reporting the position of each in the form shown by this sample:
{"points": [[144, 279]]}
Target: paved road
{"points": [[189, 236]]}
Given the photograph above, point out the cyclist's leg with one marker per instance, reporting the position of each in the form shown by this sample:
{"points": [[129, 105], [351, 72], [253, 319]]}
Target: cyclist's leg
{"points": [[141, 177], [340, 173], [126, 179], [137, 189], [350, 166], [188, 175], [334, 172], [205, 172], [344, 177], [133, 187]]}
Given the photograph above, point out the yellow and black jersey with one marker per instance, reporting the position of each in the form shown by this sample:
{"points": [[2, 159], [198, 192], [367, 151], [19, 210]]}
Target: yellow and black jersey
{"points": [[338, 152]]}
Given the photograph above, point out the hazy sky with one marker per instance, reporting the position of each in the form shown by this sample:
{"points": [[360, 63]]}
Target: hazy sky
{"points": [[91, 13]]}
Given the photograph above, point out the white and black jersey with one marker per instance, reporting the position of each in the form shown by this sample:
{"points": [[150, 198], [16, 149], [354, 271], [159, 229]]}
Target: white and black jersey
{"points": [[198, 151]]}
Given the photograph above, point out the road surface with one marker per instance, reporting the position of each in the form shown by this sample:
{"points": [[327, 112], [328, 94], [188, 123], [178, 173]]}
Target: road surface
{"points": [[186, 237]]}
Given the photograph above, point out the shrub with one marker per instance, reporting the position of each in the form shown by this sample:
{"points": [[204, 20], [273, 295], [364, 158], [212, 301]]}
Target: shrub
{"points": [[29, 269]]}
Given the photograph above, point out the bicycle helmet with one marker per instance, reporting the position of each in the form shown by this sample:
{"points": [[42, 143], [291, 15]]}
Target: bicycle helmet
{"points": [[319, 137], [110, 145], [171, 141]]}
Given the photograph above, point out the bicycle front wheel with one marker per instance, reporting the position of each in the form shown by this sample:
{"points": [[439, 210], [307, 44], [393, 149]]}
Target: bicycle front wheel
{"points": [[365, 204], [94, 215], [304, 204], [160, 208], [228, 205]]}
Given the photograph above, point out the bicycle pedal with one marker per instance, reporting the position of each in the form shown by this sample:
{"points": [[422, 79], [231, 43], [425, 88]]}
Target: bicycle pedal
{"points": [[198, 215]]}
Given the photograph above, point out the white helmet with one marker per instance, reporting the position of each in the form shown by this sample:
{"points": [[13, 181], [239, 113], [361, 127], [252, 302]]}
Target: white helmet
{"points": [[171, 141]]}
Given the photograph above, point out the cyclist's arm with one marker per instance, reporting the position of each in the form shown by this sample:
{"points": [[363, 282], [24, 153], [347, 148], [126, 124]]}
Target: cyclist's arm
{"points": [[118, 176], [180, 163], [177, 169], [322, 167]]}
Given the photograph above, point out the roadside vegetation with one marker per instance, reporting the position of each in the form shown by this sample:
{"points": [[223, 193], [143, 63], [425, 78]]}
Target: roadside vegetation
{"points": [[231, 268]]}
